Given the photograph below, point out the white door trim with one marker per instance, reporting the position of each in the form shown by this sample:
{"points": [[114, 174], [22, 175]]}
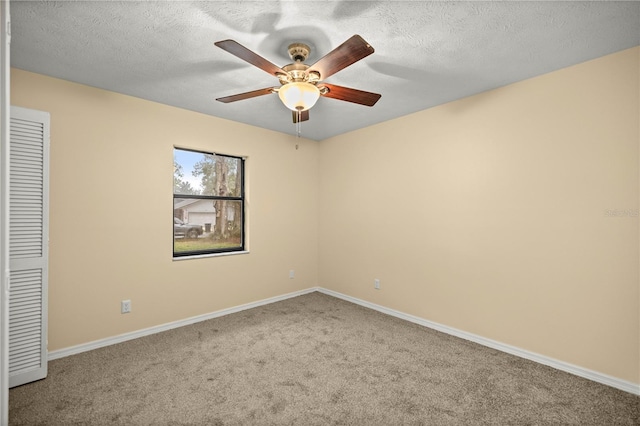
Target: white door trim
{"points": [[5, 70]]}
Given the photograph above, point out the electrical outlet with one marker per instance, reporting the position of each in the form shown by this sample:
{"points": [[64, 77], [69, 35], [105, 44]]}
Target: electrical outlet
{"points": [[376, 284], [292, 273], [125, 306]]}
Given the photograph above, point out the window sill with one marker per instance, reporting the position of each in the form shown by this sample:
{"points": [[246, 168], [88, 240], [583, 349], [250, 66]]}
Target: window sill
{"points": [[200, 256]]}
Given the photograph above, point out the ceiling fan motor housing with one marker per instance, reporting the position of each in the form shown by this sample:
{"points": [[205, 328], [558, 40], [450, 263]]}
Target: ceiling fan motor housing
{"points": [[297, 72]]}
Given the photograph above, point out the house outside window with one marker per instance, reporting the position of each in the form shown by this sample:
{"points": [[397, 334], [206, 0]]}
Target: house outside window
{"points": [[208, 203]]}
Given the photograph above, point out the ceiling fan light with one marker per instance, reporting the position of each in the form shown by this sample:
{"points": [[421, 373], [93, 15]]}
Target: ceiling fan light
{"points": [[299, 96]]}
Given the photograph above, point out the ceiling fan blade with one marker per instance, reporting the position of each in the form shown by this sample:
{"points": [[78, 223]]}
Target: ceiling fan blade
{"points": [[304, 116], [342, 56], [246, 95], [253, 58], [350, 95]]}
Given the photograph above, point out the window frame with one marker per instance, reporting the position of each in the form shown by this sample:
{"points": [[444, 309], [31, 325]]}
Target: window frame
{"points": [[241, 198]]}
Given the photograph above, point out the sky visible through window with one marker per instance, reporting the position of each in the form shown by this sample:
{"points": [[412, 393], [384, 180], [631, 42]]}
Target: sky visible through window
{"points": [[187, 159]]}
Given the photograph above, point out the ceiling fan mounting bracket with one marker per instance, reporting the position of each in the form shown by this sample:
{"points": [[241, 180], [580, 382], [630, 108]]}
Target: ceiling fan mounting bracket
{"points": [[299, 52], [313, 76]]}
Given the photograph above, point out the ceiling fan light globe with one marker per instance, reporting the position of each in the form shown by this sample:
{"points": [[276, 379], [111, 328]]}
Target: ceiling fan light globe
{"points": [[299, 96]]}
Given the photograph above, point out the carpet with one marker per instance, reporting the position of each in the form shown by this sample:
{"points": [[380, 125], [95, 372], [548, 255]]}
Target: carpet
{"points": [[311, 360]]}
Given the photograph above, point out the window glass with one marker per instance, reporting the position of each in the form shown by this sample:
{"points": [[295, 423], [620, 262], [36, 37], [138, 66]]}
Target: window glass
{"points": [[208, 203]]}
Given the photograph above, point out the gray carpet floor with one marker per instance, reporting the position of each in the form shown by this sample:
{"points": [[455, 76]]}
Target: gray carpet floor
{"points": [[311, 360]]}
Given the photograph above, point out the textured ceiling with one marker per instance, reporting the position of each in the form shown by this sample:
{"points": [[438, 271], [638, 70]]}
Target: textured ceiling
{"points": [[426, 53]]}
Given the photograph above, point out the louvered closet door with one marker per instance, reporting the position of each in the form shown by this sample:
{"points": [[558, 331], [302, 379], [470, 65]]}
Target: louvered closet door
{"points": [[28, 245]]}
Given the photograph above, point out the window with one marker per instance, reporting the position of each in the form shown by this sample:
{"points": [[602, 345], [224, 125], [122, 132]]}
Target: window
{"points": [[208, 203]]}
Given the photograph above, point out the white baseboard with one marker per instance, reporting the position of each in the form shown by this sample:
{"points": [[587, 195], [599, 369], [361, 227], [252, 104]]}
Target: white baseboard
{"points": [[72, 350], [624, 385]]}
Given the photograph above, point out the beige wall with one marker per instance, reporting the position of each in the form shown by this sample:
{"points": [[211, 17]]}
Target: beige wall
{"points": [[112, 158], [489, 214]]}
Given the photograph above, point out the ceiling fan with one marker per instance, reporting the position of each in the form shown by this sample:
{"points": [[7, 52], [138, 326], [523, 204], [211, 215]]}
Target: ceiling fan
{"points": [[302, 85]]}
